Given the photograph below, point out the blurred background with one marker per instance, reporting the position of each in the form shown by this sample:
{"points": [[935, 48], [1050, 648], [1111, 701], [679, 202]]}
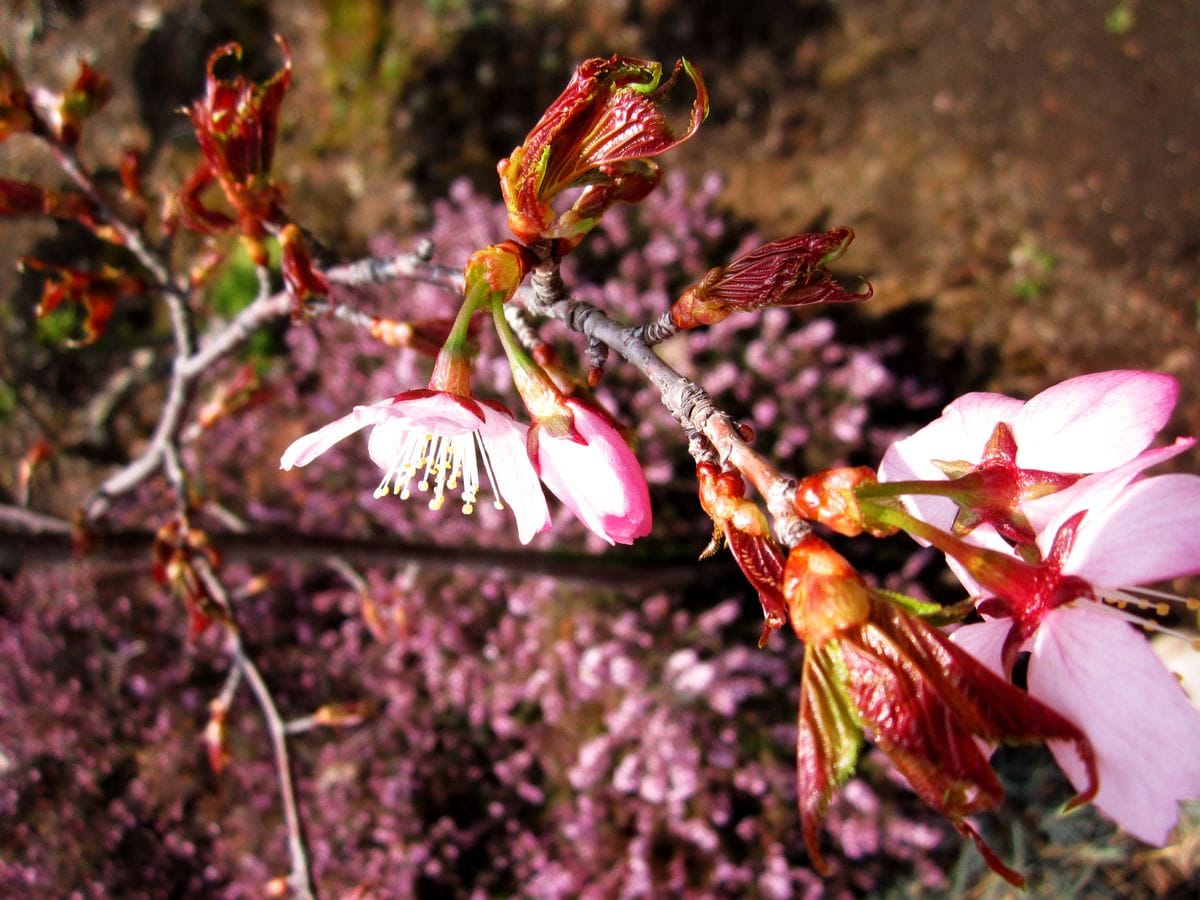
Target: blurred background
{"points": [[1022, 181]]}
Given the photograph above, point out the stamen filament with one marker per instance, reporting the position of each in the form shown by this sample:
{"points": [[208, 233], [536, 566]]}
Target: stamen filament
{"points": [[442, 462]]}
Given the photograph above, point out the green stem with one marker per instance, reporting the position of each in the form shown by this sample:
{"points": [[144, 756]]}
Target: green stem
{"points": [[997, 572], [518, 356], [452, 368], [882, 489], [539, 393], [473, 302]]}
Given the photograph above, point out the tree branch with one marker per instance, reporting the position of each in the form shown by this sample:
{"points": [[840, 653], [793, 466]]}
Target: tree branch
{"points": [[688, 403]]}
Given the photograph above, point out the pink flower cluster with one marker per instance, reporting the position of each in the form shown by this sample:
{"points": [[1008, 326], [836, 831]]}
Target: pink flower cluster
{"points": [[1072, 460]]}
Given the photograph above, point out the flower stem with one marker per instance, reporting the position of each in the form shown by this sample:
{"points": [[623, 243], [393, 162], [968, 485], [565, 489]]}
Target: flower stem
{"points": [[903, 488]]}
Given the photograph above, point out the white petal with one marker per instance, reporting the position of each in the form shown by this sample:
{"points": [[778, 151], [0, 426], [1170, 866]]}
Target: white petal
{"points": [[1096, 491], [1151, 532], [960, 433], [515, 479], [985, 642], [305, 449]]}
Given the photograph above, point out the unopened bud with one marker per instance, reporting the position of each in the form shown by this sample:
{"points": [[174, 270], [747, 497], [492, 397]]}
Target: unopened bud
{"points": [[828, 498], [825, 595], [788, 272]]}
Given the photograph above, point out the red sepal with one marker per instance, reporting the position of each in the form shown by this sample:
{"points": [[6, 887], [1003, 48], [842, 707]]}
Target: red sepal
{"points": [[921, 699], [748, 535]]}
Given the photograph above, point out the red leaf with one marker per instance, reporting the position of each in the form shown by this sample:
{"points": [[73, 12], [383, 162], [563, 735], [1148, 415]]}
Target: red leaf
{"points": [[761, 561], [610, 114]]}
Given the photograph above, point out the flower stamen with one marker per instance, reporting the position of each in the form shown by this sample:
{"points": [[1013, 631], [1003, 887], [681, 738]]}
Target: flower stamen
{"points": [[441, 462], [1157, 602], [487, 465]]}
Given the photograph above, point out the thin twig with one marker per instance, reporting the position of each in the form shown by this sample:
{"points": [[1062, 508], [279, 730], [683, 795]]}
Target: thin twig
{"points": [[190, 364], [130, 234], [403, 266], [31, 524], [300, 878]]}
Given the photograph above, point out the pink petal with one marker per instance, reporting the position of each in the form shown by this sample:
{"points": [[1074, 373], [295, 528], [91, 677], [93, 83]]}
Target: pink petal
{"points": [[516, 481], [985, 642], [1102, 675], [1093, 422], [1150, 533], [432, 413], [960, 433], [438, 411], [600, 480], [1096, 491], [305, 449]]}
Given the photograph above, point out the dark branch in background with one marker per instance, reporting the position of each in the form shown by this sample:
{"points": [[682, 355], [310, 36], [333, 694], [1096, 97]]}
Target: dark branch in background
{"points": [[27, 537]]}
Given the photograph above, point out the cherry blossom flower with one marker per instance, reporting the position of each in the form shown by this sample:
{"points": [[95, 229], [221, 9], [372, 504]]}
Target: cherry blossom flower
{"points": [[427, 440], [596, 476], [1061, 593], [1085, 425], [1086, 662]]}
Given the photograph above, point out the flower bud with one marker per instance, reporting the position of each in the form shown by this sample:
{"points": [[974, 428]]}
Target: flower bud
{"points": [[828, 498], [825, 595], [788, 272], [303, 281]]}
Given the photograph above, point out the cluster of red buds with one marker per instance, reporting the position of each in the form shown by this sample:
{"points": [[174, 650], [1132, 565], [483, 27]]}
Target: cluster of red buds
{"points": [[180, 555], [237, 125], [97, 292]]}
